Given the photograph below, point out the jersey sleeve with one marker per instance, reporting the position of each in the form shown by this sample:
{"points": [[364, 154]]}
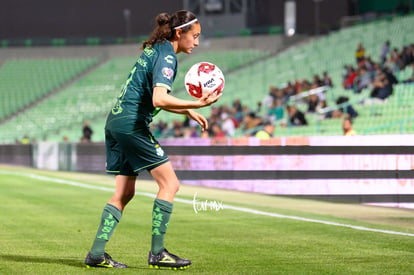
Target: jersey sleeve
{"points": [[164, 71]]}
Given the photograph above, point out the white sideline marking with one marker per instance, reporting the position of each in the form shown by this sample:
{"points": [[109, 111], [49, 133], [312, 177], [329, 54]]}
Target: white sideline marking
{"points": [[240, 209]]}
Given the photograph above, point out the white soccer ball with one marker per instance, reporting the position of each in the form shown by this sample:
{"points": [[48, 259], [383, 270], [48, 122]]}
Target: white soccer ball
{"points": [[204, 77]]}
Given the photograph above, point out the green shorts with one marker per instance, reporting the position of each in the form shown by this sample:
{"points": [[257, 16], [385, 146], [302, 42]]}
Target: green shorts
{"points": [[130, 154]]}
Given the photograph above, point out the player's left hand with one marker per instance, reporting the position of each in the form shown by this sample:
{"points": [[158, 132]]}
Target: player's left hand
{"points": [[209, 98], [201, 120]]}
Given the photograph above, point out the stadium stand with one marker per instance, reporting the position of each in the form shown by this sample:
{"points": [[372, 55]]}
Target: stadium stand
{"points": [[89, 98], [23, 81], [249, 73]]}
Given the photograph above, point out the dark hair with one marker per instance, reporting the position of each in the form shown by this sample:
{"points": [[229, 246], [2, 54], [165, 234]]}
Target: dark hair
{"points": [[166, 24], [348, 118]]}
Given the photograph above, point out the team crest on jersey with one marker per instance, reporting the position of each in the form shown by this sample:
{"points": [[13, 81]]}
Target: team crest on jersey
{"points": [[159, 150], [169, 59], [167, 72]]}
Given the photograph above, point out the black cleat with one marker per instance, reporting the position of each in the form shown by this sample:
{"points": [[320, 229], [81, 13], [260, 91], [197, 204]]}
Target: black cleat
{"points": [[166, 260], [103, 261]]}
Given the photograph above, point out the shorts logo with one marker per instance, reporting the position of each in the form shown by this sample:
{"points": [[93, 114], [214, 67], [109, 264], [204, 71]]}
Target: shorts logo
{"points": [[159, 150], [167, 73]]}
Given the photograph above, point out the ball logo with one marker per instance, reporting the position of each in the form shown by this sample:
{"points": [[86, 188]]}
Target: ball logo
{"points": [[220, 87], [206, 68], [204, 78], [195, 90], [209, 83]]}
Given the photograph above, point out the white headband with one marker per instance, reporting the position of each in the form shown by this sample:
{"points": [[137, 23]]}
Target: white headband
{"points": [[186, 24]]}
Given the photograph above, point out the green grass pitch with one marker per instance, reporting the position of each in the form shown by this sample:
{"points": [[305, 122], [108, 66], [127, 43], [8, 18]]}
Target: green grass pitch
{"points": [[48, 220]]}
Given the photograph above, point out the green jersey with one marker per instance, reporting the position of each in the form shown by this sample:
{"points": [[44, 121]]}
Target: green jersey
{"points": [[157, 66]]}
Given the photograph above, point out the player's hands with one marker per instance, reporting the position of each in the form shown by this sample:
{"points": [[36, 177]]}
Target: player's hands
{"points": [[201, 120], [209, 98]]}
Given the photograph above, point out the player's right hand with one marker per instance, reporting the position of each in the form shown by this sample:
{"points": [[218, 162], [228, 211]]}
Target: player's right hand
{"points": [[209, 98]]}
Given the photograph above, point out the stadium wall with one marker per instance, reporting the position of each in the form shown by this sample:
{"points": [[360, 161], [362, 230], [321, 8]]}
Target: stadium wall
{"points": [[78, 18], [20, 19], [362, 168]]}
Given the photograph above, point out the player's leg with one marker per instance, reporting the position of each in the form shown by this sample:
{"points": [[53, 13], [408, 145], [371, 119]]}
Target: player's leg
{"points": [[124, 191], [168, 185], [111, 216], [117, 164]]}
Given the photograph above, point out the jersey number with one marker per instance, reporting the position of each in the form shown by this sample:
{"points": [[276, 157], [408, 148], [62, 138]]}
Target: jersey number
{"points": [[117, 109]]}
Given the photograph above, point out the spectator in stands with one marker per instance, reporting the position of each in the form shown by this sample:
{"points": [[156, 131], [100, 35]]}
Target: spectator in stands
{"points": [[269, 97], [86, 132], [369, 64], [227, 124], [306, 85], [345, 71], [190, 132], [177, 129], [214, 114], [360, 53], [178, 132], [238, 111], [327, 81], [323, 111], [159, 129], [345, 108], [251, 121], [394, 61], [267, 131], [407, 56], [313, 102], [295, 116], [288, 91], [276, 111], [363, 79], [205, 134], [390, 76], [382, 88], [25, 139], [347, 127], [216, 131], [237, 105], [317, 81], [385, 49], [300, 86], [349, 78]]}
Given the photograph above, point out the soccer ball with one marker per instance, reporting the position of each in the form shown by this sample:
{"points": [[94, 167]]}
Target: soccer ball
{"points": [[204, 77]]}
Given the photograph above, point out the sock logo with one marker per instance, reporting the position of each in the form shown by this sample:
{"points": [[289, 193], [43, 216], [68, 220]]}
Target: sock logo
{"points": [[156, 221], [108, 226]]}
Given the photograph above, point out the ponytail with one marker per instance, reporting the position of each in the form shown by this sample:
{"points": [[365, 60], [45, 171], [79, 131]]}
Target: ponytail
{"points": [[168, 24]]}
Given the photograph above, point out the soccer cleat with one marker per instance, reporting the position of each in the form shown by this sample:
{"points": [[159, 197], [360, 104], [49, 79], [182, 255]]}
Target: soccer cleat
{"points": [[166, 260], [103, 261]]}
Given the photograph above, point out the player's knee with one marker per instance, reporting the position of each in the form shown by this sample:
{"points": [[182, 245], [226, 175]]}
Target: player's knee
{"points": [[171, 187], [176, 186]]}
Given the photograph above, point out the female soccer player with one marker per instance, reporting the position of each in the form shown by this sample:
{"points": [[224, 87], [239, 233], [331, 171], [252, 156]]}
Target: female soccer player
{"points": [[130, 146]]}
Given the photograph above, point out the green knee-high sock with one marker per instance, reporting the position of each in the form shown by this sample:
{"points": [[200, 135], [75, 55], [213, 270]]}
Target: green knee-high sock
{"points": [[160, 216], [110, 218]]}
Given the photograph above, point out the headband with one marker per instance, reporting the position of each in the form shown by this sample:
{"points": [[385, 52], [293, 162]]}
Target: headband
{"points": [[186, 24]]}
